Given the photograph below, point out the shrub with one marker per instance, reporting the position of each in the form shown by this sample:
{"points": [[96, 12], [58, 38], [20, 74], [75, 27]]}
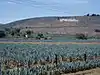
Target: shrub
{"points": [[81, 36], [97, 30], [28, 32], [2, 34], [39, 36]]}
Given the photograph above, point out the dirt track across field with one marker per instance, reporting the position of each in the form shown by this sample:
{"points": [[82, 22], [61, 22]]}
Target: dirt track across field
{"points": [[87, 72], [57, 43]]}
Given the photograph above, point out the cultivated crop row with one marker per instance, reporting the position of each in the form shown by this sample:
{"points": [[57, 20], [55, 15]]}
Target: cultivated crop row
{"points": [[44, 59]]}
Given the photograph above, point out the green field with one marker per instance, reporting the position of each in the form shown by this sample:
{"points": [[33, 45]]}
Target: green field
{"points": [[41, 59]]}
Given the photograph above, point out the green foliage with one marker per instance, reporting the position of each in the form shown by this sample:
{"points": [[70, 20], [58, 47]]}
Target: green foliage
{"points": [[88, 15], [81, 36], [39, 36], [93, 15], [28, 32], [2, 34], [31, 53], [13, 32], [44, 36], [18, 33], [97, 30], [17, 30]]}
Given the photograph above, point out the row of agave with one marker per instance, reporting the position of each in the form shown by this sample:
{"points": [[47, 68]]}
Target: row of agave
{"points": [[59, 69], [28, 54]]}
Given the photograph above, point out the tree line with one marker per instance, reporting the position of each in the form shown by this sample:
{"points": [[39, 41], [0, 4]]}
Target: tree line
{"points": [[18, 33], [93, 15]]}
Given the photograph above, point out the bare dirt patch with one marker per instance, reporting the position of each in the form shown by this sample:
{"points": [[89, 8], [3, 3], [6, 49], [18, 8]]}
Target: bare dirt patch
{"points": [[87, 72]]}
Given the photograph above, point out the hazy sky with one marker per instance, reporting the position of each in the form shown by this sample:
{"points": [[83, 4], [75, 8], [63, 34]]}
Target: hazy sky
{"points": [[11, 10]]}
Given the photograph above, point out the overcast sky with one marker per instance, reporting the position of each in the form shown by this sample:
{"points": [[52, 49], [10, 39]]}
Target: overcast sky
{"points": [[11, 10]]}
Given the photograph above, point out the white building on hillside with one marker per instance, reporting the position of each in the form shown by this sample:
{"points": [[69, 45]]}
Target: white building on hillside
{"points": [[68, 20]]}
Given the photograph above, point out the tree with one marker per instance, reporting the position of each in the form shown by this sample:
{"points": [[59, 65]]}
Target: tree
{"points": [[88, 15], [81, 36], [2, 34], [39, 36], [13, 31], [97, 30], [7, 29], [17, 30], [28, 32], [98, 15], [93, 15]]}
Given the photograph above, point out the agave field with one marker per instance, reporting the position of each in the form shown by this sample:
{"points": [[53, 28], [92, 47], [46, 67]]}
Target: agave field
{"points": [[48, 59]]}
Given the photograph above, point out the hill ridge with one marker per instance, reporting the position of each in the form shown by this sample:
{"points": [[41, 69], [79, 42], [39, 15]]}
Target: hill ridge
{"points": [[53, 24]]}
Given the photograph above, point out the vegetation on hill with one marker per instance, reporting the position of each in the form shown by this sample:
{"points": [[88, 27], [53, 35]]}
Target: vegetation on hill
{"points": [[92, 15], [38, 27], [82, 36], [18, 33], [2, 34]]}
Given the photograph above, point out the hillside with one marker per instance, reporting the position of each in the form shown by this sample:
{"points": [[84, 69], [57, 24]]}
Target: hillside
{"points": [[2, 26], [60, 25]]}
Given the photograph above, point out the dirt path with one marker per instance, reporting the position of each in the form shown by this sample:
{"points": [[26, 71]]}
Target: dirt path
{"points": [[87, 72], [57, 43]]}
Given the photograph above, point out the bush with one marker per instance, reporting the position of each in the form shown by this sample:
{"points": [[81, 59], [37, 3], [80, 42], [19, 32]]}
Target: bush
{"points": [[28, 32], [81, 36], [97, 30], [2, 34], [88, 15], [13, 32], [92, 15], [39, 36]]}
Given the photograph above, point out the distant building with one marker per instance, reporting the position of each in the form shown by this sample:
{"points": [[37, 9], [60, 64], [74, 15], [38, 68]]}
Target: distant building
{"points": [[68, 20]]}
